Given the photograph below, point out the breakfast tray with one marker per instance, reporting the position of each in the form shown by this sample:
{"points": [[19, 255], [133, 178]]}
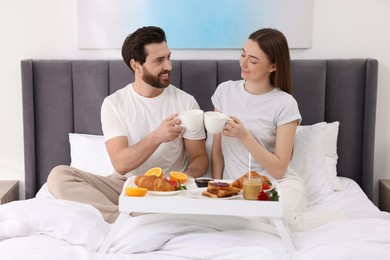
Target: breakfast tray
{"points": [[191, 205]]}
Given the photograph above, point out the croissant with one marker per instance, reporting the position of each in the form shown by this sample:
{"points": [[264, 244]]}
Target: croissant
{"points": [[240, 181], [145, 181], [153, 183], [163, 185]]}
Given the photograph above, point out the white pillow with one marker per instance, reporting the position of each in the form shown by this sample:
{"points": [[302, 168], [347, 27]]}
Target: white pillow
{"points": [[88, 153], [309, 162], [330, 150], [331, 157], [44, 193]]}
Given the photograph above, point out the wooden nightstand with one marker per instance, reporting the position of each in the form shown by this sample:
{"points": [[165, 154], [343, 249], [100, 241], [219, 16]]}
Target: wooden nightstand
{"points": [[384, 195], [9, 191]]}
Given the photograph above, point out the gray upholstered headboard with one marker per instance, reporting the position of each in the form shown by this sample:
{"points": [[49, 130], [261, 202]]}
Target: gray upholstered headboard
{"points": [[64, 96]]}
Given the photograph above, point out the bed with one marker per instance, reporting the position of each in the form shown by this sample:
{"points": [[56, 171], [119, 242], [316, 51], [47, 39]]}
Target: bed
{"points": [[334, 152]]}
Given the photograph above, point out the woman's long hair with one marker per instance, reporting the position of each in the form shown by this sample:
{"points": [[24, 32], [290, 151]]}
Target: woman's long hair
{"points": [[274, 45]]}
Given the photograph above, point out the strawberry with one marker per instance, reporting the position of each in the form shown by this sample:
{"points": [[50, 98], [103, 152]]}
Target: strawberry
{"points": [[263, 196], [174, 184], [266, 185]]}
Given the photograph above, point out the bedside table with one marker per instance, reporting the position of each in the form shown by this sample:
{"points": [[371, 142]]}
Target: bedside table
{"points": [[384, 195], [9, 191]]}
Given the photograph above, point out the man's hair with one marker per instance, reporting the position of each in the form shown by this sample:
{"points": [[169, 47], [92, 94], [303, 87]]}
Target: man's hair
{"points": [[134, 45]]}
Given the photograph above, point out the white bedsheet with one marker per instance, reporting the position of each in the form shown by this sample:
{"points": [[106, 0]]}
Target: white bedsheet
{"points": [[44, 228], [351, 200]]}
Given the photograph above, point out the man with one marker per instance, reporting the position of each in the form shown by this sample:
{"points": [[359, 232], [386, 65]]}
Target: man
{"points": [[140, 127]]}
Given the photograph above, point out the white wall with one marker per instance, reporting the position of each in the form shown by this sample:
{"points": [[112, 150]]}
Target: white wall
{"points": [[47, 29]]}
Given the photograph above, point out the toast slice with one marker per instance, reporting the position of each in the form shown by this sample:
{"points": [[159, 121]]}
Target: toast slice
{"points": [[228, 193], [210, 195], [220, 190], [221, 194], [214, 186]]}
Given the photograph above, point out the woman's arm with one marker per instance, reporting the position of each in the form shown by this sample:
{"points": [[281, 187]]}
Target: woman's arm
{"points": [[274, 163]]}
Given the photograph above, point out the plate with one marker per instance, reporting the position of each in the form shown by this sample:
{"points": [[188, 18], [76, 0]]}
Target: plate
{"points": [[197, 193], [163, 193]]}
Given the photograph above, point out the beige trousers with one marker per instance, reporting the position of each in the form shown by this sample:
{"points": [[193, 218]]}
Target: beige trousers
{"points": [[102, 192], [295, 210]]}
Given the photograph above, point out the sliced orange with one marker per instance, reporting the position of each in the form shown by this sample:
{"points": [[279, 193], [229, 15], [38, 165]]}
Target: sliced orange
{"points": [[136, 191], [178, 176], [156, 171]]}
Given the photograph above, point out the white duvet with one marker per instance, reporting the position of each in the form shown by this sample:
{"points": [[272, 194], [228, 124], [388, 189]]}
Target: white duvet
{"points": [[42, 228]]}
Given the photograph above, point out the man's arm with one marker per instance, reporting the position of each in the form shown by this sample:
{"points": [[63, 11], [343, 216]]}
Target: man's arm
{"points": [[217, 161], [125, 158], [199, 160]]}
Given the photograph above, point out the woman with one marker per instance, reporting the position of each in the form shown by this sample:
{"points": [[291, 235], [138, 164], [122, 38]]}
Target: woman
{"points": [[264, 120]]}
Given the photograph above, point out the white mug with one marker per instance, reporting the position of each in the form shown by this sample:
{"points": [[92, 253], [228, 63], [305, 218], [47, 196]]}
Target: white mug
{"points": [[215, 121], [192, 120]]}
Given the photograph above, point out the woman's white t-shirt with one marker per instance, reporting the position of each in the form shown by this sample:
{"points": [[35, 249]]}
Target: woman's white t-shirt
{"points": [[126, 113], [260, 114]]}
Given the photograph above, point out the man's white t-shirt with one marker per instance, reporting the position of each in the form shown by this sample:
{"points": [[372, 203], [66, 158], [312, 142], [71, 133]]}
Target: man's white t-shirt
{"points": [[260, 114], [126, 113]]}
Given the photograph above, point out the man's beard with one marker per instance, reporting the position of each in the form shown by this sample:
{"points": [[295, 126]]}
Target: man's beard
{"points": [[155, 81]]}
